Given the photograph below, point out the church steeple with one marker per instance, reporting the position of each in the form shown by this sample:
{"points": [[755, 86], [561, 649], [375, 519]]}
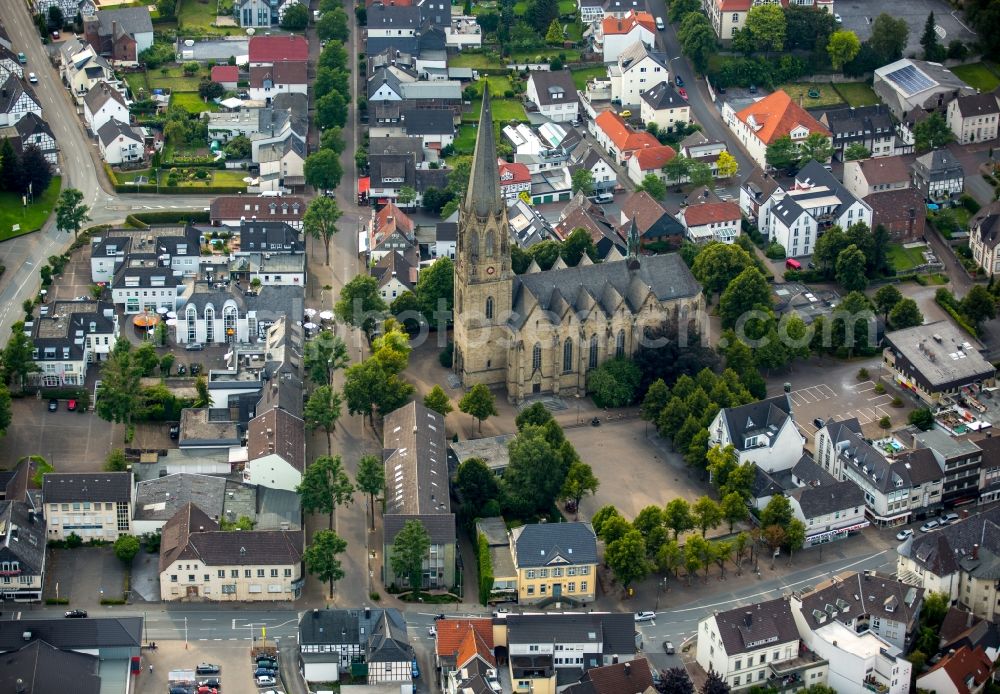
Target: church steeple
{"points": [[483, 195]]}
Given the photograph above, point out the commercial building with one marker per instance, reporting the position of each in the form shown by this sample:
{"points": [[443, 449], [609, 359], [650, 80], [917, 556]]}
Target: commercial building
{"points": [[91, 505], [555, 562]]}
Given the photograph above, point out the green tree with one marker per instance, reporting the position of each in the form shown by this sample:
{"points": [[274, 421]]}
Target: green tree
{"points": [[700, 174], [579, 482], [782, 153], [323, 355], [706, 514], [679, 9], [331, 109], [614, 383], [979, 305], [698, 40], [795, 536], [392, 348], [56, 21], [677, 516], [933, 50], [540, 14], [409, 549], [118, 396], [320, 557], [749, 291], [844, 45], [325, 486], [203, 398], [727, 165], [332, 25], [360, 304], [332, 139], [554, 35], [438, 401], [476, 485], [718, 264], [923, 419], [655, 400], [626, 557], [855, 151], [653, 185], [675, 679], [321, 411], [934, 609], [480, 402], [126, 547], [734, 509], [905, 314], [71, 213], [370, 480], [889, 37], [535, 414], [697, 555], [208, 90], [583, 179], [575, 245], [322, 168], [816, 146], [777, 512], [851, 268], [369, 388], [932, 133], [767, 25], [539, 459], [320, 219], [603, 513], [435, 291], [405, 308], [677, 168], [407, 195], [146, 359], [886, 298], [116, 461]]}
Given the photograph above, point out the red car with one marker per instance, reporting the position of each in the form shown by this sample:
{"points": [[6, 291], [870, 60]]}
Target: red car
{"points": [[71, 405], [683, 93]]}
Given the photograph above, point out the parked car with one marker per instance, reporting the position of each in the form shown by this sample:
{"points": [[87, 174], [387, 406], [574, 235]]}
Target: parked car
{"points": [[265, 681], [33, 78], [904, 534], [949, 519], [53, 405], [195, 369], [264, 672], [819, 423], [668, 647], [928, 526], [175, 431], [75, 614], [837, 18], [22, 58], [268, 663], [682, 92], [678, 80], [431, 631], [645, 616], [207, 690], [71, 405], [55, 35], [207, 669], [213, 682], [625, 114], [264, 656], [414, 669], [194, 346], [660, 26]]}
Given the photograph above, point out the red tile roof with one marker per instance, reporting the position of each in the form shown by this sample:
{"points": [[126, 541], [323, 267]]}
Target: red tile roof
{"points": [[451, 633], [473, 644], [236, 207], [268, 49], [963, 665], [279, 73], [654, 158], [388, 220], [711, 213], [225, 73], [517, 173], [776, 115], [624, 138], [625, 25]]}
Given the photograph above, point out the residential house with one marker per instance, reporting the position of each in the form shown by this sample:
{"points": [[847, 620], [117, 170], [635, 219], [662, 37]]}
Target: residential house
{"points": [[393, 26], [232, 210], [908, 85], [748, 645], [958, 560], [615, 34], [198, 561], [459, 642], [650, 161], [270, 50], [70, 337], [871, 127], [445, 239], [69, 7], [989, 482], [938, 175], [935, 361], [728, 16], [120, 143], [82, 68], [633, 677], [527, 225], [274, 237], [794, 215], [762, 432], [664, 106], [700, 149], [829, 512], [653, 223], [876, 175], [475, 666], [92, 505], [514, 179], [9, 63], [332, 641], [142, 285], [546, 649], [555, 562], [120, 34], [581, 213], [464, 32], [389, 230], [961, 628], [102, 104], [984, 231], [22, 551], [434, 126], [963, 671], [17, 100], [385, 85], [415, 454], [282, 164], [554, 92], [276, 125], [776, 115], [974, 118], [637, 69], [493, 531], [865, 602], [226, 75], [594, 160], [282, 77], [899, 212], [755, 191], [618, 138], [245, 120], [395, 275], [711, 221], [32, 131], [270, 269], [276, 449]]}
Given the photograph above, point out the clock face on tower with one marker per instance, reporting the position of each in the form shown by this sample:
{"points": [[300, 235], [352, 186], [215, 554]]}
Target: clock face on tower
{"points": [[490, 270]]}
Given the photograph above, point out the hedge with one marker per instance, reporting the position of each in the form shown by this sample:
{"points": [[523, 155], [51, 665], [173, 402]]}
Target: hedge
{"points": [[946, 300], [171, 217], [178, 190], [485, 570], [135, 223]]}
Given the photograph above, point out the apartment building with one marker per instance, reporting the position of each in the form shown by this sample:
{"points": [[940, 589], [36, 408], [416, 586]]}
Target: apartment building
{"points": [[91, 505]]}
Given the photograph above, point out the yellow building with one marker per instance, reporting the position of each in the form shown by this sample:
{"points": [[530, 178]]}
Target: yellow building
{"points": [[555, 562]]}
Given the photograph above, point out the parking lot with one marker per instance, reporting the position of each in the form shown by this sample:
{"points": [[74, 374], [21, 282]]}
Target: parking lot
{"points": [[233, 658], [70, 441], [85, 575], [858, 16]]}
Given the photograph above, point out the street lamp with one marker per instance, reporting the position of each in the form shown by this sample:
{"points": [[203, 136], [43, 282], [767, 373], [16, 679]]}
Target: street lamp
{"points": [[577, 408], [660, 587]]}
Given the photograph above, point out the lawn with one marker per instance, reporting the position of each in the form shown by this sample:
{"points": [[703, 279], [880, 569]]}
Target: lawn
{"points": [[192, 102], [136, 83], [904, 259], [582, 75], [504, 110], [572, 55], [499, 84], [977, 75], [799, 91], [465, 140], [174, 79], [520, 8], [477, 61], [30, 218], [567, 8], [193, 14], [857, 94]]}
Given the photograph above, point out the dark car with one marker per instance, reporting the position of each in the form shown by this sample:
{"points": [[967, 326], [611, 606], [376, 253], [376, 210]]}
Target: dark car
{"points": [[71, 405], [678, 80], [265, 656], [175, 431], [75, 614], [819, 423], [53, 405], [267, 663], [207, 669], [265, 672], [180, 690], [213, 682], [195, 369]]}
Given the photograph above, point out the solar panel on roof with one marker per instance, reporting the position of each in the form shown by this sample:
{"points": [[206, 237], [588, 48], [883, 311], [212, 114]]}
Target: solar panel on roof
{"points": [[910, 79]]}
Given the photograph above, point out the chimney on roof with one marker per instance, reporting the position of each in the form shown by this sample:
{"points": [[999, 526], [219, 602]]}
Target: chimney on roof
{"points": [[368, 613], [975, 551], [748, 618], [968, 620], [628, 669]]}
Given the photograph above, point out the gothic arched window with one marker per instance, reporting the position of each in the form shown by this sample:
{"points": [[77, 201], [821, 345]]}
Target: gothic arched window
{"points": [[490, 244], [489, 308], [536, 357], [568, 355], [592, 362], [620, 344], [474, 245]]}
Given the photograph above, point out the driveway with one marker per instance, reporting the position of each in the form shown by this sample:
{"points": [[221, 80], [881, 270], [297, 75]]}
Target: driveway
{"points": [[84, 575], [70, 441]]}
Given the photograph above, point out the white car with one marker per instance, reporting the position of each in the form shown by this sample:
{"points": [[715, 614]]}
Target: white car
{"points": [[431, 631], [837, 18], [33, 78], [904, 534], [266, 681], [645, 616], [928, 526]]}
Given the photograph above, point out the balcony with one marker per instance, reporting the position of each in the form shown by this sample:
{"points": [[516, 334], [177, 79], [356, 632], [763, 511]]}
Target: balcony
{"points": [[788, 675]]}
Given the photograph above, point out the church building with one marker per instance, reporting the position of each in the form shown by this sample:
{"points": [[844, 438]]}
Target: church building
{"points": [[541, 332]]}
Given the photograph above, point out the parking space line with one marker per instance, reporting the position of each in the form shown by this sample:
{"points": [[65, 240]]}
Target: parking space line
{"points": [[865, 384], [863, 418], [884, 397], [805, 395]]}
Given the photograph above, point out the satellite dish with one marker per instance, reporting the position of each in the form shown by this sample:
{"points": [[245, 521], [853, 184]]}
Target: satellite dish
{"points": [[188, 42]]}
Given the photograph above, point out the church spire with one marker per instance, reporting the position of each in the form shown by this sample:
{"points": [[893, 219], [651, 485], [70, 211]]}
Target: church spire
{"points": [[483, 195]]}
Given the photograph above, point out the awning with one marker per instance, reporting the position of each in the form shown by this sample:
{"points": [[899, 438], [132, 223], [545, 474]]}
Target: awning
{"points": [[364, 185]]}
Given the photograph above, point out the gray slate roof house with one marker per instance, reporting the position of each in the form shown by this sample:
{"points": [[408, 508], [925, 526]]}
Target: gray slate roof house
{"points": [[101, 633], [743, 629], [938, 167], [428, 121], [41, 667], [541, 544], [817, 502], [60, 487], [746, 421], [553, 86], [605, 637], [111, 130], [273, 237], [951, 548], [663, 96]]}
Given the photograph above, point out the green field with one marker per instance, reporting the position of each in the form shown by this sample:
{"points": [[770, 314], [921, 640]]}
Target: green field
{"points": [[857, 94], [194, 14], [192, 102], [173, 78], [567, 8], [137, 81], [581, 75], [799, 91], [30, 218], [465, 139], [904, 259], [499, 84], [977, 75], [477, 61], [504, 110]]}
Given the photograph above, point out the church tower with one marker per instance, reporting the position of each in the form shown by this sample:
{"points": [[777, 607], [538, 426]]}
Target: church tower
{"points": [[483, 276]]}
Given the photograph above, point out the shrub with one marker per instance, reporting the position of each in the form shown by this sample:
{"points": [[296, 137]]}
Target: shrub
{"points": [[897, 401], [879, 389], [969, 203], [775, 251], [73, 541], [485, 569], [56, 601], [885, 423], [374, 596], [863, 374]]}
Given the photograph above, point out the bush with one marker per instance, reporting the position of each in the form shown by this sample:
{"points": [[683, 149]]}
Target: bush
{"points": [[172, 217], [56, 601], [897, 401], [969, 203], [374, 596], [863, 374], [113, 601], [775, 251], [879, 389], [73, 541], [485, 569]]}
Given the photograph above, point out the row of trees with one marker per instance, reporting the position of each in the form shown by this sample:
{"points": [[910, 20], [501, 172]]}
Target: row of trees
{"points": [[23, 172], [332, 89], [785, 154]]}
